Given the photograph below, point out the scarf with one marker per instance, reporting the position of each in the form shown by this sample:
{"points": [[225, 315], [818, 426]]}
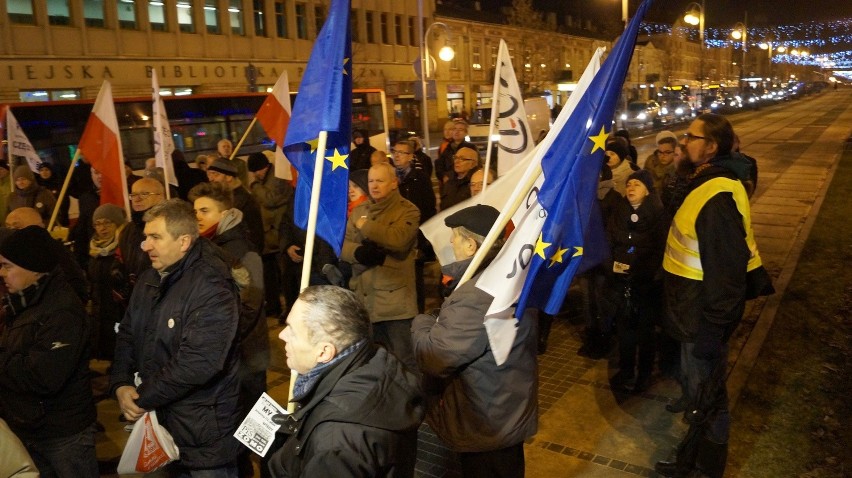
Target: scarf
{"points": [[104, 247], [306, 383]]}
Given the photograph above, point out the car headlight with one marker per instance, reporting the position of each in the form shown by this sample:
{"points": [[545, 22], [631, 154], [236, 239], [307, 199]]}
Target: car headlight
{"points": [[679, 111], [664, 111], [732, 103], [641, 116], [623, 116]]}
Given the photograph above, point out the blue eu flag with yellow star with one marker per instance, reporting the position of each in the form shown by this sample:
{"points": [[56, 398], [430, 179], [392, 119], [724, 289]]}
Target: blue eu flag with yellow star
{"points": [[572, 236], [324, 103]]}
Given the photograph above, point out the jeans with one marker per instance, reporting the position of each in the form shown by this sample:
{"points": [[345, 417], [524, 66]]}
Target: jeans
{"points": [[66, 457], [695, 371]]}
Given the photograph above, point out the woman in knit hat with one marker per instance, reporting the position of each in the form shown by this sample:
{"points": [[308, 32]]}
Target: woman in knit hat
{"points": [[46, 396], [637, 232], [618, 160], [108, 221], [28, 193]]}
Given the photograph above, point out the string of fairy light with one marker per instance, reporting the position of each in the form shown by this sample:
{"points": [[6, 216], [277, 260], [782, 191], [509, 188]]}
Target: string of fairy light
{"points": [[822, 44]]}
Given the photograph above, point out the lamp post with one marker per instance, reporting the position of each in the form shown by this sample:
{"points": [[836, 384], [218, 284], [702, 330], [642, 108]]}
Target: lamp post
{"points": [[740, 32], [769, 46], [695, 16], [446, 54]]}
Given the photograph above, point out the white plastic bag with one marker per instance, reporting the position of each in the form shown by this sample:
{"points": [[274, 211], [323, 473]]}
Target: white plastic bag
{"points": [[150, 447]]}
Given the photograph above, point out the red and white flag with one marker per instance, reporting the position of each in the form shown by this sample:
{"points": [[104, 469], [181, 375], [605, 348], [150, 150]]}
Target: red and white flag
{"points": [[274, 116], [164, 146], [101, 146]]}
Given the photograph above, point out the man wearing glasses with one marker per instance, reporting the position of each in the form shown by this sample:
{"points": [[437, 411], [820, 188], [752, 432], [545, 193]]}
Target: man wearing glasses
{"points": [[145, 194], [661, 163], [457, 188], [444, 164]]}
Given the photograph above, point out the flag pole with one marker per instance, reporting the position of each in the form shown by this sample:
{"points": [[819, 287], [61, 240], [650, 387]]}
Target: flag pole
{"points": [[495, 108], [308, 252], [518, 195], [242, 140], [63, 190]]}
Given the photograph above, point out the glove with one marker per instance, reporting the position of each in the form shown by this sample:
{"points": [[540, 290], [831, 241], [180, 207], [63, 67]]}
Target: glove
{"points": [[708, 341], [370, 254]]}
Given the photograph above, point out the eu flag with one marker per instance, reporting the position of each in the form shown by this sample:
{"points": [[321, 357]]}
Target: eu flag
{"points": [[324, 103], [570, 237]]}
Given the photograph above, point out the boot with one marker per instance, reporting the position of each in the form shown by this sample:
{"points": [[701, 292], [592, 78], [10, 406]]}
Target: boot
{"points": [[671, 469]]}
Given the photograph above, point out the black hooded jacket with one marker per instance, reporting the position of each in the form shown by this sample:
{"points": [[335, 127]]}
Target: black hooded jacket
{"points": [[361, 419]]}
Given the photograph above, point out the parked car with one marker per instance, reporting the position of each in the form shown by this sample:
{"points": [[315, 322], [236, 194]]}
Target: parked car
{"points": [[678, 110], [642, 113]]}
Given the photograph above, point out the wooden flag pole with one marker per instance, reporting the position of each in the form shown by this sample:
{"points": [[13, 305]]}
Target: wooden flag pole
{"points": [[242, 140], [63, 190]]}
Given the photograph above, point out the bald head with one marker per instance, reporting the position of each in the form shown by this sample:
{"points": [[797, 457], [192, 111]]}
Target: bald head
{"points": [[145, 193], [382, 180], [24, 217]]}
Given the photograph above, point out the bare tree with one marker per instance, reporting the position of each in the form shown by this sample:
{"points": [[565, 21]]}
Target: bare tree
{"points": [[523, 14]]}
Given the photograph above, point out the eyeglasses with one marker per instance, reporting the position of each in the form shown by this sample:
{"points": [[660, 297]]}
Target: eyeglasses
{"points": [[665, 152], [689, 137], [459, 158], [142, 195], [396, 151], [102, 223]]}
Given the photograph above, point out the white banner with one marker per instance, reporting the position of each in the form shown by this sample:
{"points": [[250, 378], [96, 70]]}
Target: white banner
{"points": [[164, 146], [19, 144]]}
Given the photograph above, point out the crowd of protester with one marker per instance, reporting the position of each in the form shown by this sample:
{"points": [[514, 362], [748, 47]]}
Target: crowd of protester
{"points": [[177, 295]]}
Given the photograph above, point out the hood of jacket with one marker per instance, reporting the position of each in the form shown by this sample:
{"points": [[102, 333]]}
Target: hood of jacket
{"points": [[736, 163]]}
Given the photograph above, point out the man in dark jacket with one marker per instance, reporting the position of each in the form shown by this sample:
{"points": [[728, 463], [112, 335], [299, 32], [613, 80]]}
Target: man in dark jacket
{"points": [[457, 187], [359, 157], [45, 393], [709, 252], [480, 409], [358, 407], [224, 172], [176, 351], [444, 163]]}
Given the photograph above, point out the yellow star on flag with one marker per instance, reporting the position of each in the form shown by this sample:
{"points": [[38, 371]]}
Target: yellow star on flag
{"points": [[540, 246], [557, 256], [338, 160], [579, 251], [313, 144], [599, 140]]}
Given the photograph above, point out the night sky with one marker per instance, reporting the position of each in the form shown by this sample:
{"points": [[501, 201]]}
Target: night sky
{"points": [[719, 13]]}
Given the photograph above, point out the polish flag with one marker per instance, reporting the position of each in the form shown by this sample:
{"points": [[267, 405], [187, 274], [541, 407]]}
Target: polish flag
{"points": [[274, 116], [101, 147]]}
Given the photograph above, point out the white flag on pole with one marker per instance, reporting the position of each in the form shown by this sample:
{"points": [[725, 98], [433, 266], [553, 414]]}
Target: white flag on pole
{"points": [[19, 144], [509, 116], [164, 146]]}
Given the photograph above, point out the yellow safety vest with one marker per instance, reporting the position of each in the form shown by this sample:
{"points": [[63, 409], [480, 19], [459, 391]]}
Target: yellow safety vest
{"points": [[682, 257]]}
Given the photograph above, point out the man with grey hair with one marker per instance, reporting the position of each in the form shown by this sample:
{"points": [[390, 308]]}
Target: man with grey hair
{"points": [[175, 351], [358, 407]]}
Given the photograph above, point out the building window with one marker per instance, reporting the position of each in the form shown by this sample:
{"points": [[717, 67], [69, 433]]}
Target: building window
{"points": [[319, 18], [211, 16], [412, 32], [176, 91], [383, 18], [494, 56], [29, 96], [397, 29], [281, 19], [157, 15], [21, 11], [301, 21], [476, 58], [371, 36], [353, 26], [184, 16], [58, 12], [259, 27], [93, 13], [126, 15], [235, 12]]}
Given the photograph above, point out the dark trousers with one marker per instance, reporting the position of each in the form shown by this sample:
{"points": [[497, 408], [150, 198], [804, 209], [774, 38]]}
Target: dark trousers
{"points": [[395, 336], [66, 457], [504, 463], [272, 282]]}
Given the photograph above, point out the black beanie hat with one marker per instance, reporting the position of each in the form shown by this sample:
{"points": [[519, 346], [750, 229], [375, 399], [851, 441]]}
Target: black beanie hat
{"points": [[645, 176], [257, 161], [619, 149], [223, 166], [31, 248], [359, 177]]}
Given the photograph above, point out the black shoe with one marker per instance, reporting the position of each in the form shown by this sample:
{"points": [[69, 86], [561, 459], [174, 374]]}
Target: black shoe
{"points": [[678, 406], [670, 469]]}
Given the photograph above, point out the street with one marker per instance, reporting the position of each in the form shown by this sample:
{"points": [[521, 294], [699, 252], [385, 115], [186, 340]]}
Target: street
{"points": [[584, 429]]}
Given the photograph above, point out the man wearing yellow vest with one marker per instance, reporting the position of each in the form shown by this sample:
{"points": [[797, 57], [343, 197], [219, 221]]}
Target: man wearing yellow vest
{"points": [[709, 251]]}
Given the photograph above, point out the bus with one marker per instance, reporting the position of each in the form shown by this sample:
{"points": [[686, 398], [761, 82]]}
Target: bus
{"points": [[197, 124]]}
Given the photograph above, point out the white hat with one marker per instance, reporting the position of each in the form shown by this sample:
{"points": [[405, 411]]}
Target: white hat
{"points": [[665, 134]]}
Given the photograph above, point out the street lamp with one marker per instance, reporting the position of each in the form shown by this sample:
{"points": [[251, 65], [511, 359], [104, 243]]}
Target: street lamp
{"points": [[740, 32], [445, 54], [695, 16], [769, 46]]}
